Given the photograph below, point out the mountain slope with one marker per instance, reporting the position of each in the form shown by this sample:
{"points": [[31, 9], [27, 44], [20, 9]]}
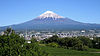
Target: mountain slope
{"points": [[52, 21]]}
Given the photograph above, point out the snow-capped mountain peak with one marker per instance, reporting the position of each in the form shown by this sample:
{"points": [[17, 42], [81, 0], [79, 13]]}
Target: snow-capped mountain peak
{"points": [[49, 14]]}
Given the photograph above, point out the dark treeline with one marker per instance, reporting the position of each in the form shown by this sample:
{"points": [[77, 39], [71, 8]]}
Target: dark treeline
{"points": [[80, 43]]}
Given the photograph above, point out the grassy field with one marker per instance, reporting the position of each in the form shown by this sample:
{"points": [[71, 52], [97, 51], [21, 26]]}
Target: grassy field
{"points": [[66, 52]]}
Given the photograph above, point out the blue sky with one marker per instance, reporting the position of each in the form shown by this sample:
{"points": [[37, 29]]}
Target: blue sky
{"points": [[19, 11]]}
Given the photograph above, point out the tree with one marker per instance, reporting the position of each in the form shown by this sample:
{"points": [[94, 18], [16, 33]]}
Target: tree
{"points": [[9, 31], [14, 45], [53, 44], [96, 42], [51, 39], [69, 43], [86, 41]]}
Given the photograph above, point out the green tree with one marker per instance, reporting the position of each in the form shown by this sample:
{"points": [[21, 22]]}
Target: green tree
{"points": [[12, 44], [86, 41], [51, 39], [53, 44]]}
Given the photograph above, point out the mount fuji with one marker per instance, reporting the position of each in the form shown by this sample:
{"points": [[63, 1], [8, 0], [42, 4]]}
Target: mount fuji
{"points": [[51, 21]]}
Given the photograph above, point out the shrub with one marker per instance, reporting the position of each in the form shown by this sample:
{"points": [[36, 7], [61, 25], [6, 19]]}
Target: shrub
{"points": [[53, 44]]}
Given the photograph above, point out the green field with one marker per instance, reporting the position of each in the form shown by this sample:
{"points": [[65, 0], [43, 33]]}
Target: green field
{"points": [[65, 52]]}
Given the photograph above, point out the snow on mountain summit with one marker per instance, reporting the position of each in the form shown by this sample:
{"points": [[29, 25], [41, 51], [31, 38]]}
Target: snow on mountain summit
{"points": [[49, 14]]}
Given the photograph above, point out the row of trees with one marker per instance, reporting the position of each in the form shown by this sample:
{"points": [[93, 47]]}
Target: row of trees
{"points": [[13, 45], [79, 43]]}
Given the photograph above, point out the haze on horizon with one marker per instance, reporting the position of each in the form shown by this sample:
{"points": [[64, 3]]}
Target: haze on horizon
{"points": [[19, 11]]}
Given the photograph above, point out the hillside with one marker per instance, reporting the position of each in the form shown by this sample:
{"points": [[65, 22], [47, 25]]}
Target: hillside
{"points": [[65, 52]]}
